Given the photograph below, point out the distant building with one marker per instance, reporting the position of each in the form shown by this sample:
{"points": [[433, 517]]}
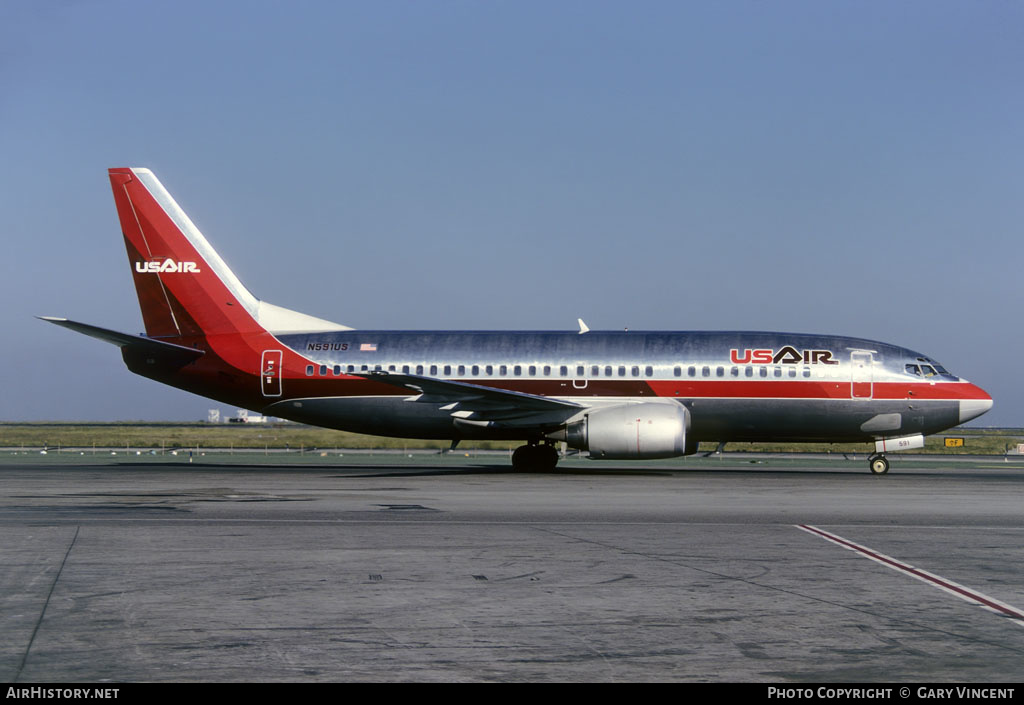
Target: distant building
{"points": [[245, 417]]}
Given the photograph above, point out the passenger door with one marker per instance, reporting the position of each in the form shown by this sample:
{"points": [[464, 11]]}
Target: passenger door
{"points": [[862, 375]]}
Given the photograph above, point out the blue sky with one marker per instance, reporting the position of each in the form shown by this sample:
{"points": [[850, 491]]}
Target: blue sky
{"points": [[832, 167]]}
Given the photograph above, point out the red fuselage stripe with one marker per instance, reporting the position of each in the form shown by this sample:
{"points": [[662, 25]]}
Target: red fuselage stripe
{"points": [[344, 385]]}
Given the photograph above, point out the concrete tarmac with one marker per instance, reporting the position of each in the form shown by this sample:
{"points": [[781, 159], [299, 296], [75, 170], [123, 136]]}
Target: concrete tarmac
{"points": [[693, 570]]}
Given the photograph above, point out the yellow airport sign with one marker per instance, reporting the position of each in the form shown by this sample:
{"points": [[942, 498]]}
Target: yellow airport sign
{"points": [[954, 442]]}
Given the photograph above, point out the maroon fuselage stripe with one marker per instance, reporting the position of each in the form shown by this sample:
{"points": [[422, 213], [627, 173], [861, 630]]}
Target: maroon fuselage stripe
{"points": [[345, 385]]}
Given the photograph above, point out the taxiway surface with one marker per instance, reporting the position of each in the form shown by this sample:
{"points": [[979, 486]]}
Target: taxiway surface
{"points": [[392, 572]]}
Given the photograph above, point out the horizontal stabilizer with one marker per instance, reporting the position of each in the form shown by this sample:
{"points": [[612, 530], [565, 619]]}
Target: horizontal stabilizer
{"points": [[136, 343]]}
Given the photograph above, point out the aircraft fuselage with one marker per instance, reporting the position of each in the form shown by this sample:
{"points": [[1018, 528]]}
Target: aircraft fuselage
{"points": [[616, 395], [738, 386]]}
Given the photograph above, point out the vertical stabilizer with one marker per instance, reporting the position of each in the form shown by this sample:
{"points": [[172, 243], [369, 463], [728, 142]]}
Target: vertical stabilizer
{"points": [[184, 287]]}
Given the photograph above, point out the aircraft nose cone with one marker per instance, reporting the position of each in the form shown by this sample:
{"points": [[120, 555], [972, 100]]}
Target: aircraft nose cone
{"points": [[973, 408]]}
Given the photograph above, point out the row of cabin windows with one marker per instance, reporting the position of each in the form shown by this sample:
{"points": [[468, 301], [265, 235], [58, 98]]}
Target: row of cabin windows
{"points": [[563, 370]]}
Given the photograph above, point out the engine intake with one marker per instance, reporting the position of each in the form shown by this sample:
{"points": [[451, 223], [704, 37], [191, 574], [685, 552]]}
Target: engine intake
{"points": [[631, 431]]}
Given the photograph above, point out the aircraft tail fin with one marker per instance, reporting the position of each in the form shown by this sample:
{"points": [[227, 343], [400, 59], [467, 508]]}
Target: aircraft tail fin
{"points": [[184, 287]]}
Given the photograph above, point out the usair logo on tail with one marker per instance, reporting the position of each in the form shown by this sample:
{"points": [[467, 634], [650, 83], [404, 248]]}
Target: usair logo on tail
{"points": [[168, 266]]}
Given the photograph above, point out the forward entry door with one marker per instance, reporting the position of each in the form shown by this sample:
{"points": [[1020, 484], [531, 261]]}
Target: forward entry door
{"points": [[862, 377]]}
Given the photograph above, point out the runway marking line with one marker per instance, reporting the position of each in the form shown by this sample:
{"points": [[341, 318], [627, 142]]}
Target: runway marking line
{"points": [[961, 591]]}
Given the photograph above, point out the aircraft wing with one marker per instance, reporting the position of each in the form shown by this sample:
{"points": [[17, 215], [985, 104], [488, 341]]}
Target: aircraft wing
{"points": [[475, 405]]}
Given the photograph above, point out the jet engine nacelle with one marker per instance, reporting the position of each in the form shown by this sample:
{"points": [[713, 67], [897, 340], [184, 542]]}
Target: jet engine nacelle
{"points": [[632, 431]]}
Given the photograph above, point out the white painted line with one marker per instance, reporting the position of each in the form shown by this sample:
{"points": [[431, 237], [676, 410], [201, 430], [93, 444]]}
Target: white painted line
{"points": [[964, 593]]}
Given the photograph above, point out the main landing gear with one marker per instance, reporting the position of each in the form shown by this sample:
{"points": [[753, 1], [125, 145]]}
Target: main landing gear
{"points": [[878, 464], [536, 457]]}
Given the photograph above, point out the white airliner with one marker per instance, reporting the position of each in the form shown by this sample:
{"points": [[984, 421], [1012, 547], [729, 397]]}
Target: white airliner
{"points": [[615, 395]]}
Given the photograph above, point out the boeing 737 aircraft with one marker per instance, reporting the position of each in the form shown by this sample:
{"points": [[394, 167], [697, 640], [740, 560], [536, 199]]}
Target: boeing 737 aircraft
{"points": [[616, 395]]}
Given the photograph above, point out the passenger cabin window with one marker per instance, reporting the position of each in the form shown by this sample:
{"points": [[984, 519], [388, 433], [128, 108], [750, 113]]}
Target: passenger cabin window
{"points": [[419, 369], [547, 370], [705, 371], [517, 370], [648, 371], [533, 371], [607, 370], [405, 369], [476, 370], [579, 370], [337, 370], [677, 371], [490, 370], [622, 370], [447, 370], [462, 370], [595, 371], [563, 371], [691, 371], [323, 370], [309, 370], [433, 370]]}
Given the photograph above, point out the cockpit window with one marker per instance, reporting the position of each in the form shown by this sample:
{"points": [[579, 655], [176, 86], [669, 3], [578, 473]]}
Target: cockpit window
{"points": [[926, 367]]}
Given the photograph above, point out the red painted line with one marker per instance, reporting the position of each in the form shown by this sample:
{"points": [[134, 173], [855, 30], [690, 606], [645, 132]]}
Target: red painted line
{"points": [[811, 389], [345, 385], [965, 593]]}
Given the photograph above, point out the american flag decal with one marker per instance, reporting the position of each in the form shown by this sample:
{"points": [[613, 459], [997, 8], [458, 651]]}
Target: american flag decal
{"points": [[368, 347]]}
